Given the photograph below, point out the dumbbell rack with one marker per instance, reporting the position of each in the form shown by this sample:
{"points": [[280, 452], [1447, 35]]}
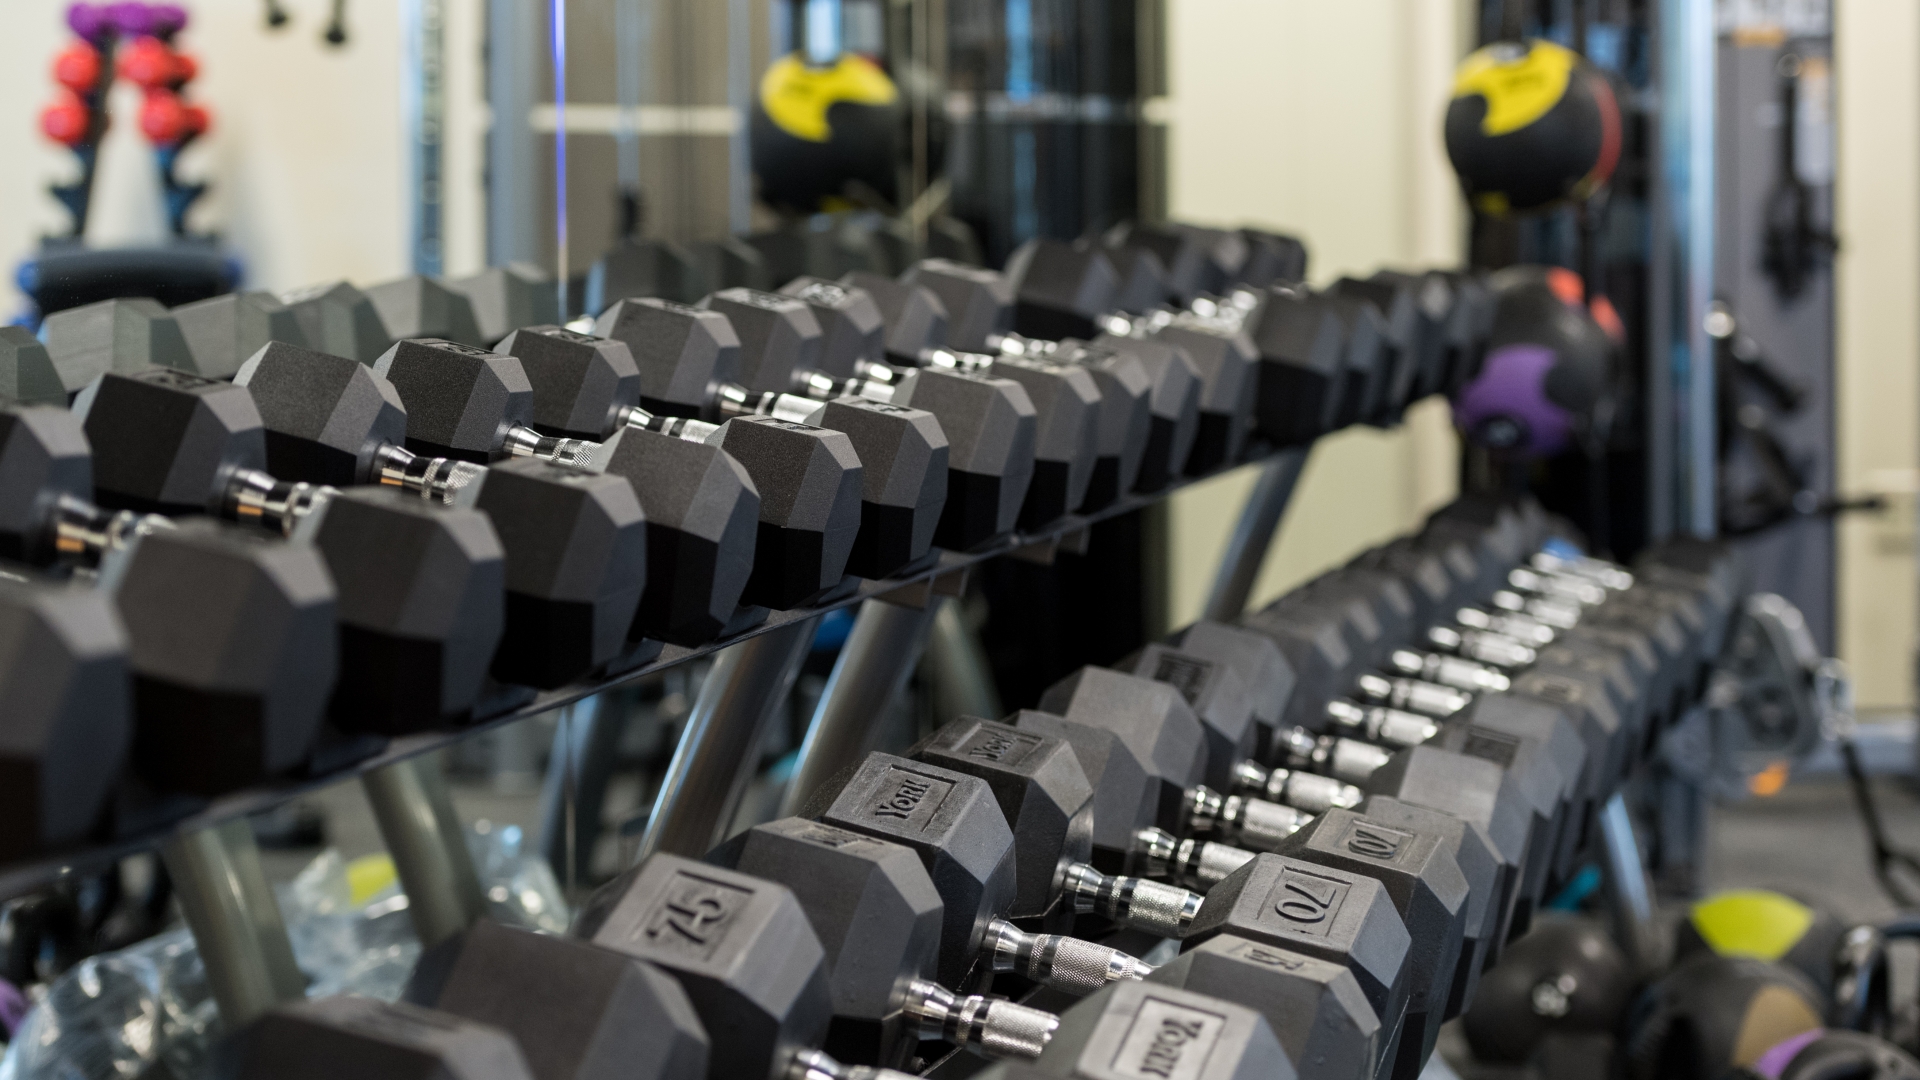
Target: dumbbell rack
{"points": [[150, 819]]}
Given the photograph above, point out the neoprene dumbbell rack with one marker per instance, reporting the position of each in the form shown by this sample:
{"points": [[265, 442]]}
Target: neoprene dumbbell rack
{"points": [[147, 818]]}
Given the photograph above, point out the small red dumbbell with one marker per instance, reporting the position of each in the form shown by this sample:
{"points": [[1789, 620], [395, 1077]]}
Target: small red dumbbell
{"points": [[78, 68], [66, 121]]}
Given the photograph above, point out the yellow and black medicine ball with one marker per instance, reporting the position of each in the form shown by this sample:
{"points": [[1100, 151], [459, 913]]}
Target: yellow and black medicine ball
{"points": [[1763, 925], [823, 135], [1531, 125]]}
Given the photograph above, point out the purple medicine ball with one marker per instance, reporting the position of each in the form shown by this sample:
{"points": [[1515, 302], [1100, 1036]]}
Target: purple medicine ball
{"points": [[1506, 406]]}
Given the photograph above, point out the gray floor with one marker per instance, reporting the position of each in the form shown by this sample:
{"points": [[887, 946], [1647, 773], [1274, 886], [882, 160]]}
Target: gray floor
{"points": [[1808, 841]]}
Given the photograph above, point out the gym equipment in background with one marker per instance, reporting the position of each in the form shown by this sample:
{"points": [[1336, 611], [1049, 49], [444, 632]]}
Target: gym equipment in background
{"points": [[136, 41]]}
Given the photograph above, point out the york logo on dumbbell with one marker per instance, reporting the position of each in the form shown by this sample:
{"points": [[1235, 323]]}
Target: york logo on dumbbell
{"points": [[1187, 674], [693, 915], [1282, 960], [1491, 746], [1168, 1041], [904, 796], [1309, 901], [999, 745], [828, 836]]}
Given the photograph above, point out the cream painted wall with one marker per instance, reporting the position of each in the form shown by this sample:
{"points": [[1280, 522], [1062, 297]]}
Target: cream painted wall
{"points": [[1322, 120], [1877, 57], [307, 158]]}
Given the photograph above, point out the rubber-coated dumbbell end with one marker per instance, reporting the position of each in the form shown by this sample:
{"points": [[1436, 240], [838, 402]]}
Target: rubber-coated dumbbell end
{"points": [[991, 1027], [1238, 820], [1484, 646], [1190, 863], [1062, 962], [1132, 901], [1412, 695], [252, 497], [1378, 724], [1521, 628], [1448, 671], [1597, 570], [1307, 791], [1344, 759], [1573, 590], [814, 1065], [437, 479]]}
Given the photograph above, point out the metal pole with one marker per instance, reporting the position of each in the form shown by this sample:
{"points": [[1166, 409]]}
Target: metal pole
{"points": [[958, 669], [718, 754], [415, 813], [880, 653], [236, 925], [589, 743], [563, 260], [426, 108], [513, 225], [629, 37], [1253, 535], [1628, 890], [739, 98], [1688, 45]]}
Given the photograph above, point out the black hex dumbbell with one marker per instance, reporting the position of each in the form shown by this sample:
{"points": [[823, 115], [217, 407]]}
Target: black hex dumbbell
{"points": [[239, 695], [1047, 801], [332, 420], [27, 373], [990, 422], [855, 341], [1217, 347], [1324, 912], [337, 318], [1419, 867], [1268, 677], [1315, 1006], [222, 331], [1441, 877], [592, 387], [1066, 398], [1143, 751], [786, 348], [420, 587], [1211, 817], [575, 1009], [953, 822], [542, 519], [810, 478], [879, 917], [744, 952], [418, 306], [1142, 1030], [121, 335], [66, 707], [915, 323], [357, 1036]]}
